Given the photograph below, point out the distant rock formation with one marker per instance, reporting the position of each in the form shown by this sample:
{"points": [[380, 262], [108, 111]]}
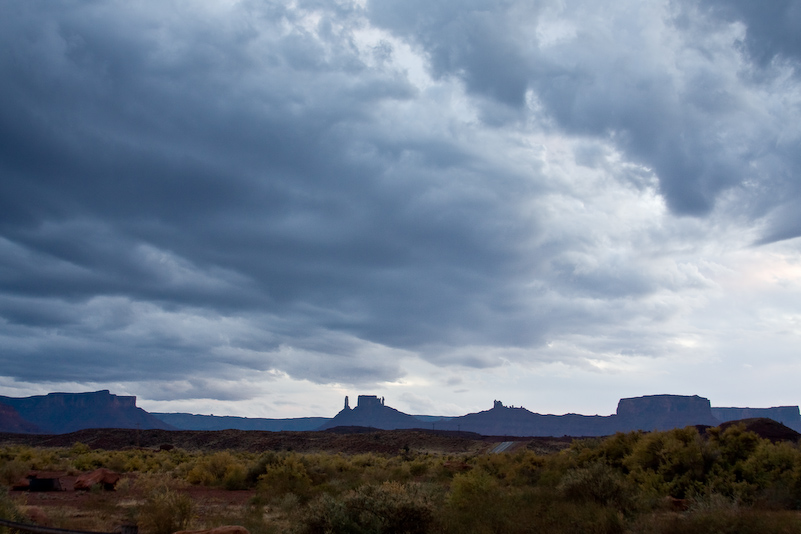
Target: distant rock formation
{"points": [[517, 421], [766, 428], [186, 421], [12, 421], [654, 412], [61, 413], [663, 412], [371, 412], [789, 416]]}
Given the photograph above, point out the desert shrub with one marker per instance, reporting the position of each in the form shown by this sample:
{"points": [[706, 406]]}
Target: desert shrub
{"points": [[389, 508], [235, 478], [728, 520], [47, 460], [471, 488], [567, 517], [612, 450], [79, 448], [165, 509], [598, 483], [219, 463], [259, 467], [476, 503], [772, 473], [670, 463], [12, 471], [85, 459], [525, 468], [129, 464], [513, 510], [219, 469], [418, 468], [735, 444], [199, 475], [287, 476], [9, 509]]}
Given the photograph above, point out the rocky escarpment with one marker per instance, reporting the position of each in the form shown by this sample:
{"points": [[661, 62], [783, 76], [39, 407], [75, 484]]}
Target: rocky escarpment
{"points": [[186, 421], [12, 421], [654, 412], [786, 415], [663, 412], [59, 413], [371, 412], [517, 421]]}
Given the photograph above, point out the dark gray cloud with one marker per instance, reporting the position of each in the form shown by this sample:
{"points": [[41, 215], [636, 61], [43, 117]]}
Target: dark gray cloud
{"points": [[321, 190], [194, 166], [480, 41], [773, 30], [647, 79]]}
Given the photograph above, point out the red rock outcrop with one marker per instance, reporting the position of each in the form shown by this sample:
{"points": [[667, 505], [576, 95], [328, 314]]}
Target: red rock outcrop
{"points": [[105, 477]]}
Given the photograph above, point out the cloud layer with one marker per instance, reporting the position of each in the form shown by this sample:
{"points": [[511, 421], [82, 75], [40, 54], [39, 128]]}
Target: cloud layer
{"points": [[214, 200]]}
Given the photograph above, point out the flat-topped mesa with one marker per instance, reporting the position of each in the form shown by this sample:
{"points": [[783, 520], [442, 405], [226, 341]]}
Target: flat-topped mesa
{"points": [[648, 404], [90, 399], [59, 413], [663, 412]]}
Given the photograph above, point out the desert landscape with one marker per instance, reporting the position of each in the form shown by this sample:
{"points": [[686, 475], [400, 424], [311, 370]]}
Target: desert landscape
{"points": [[737, 477]]}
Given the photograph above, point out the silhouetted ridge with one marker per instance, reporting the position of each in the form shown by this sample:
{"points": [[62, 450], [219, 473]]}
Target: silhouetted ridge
{"points": [[663, 412], [12, 421], [186, 421], [766, 428], [786, 415], [651, 412], [371, 412], [60, 413]]}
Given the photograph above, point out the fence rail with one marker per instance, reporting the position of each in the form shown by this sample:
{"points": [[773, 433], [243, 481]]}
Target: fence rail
{"points": [[36, 529]]}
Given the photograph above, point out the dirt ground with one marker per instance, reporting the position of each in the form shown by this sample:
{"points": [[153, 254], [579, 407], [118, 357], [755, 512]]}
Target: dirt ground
{"points": [[106, 511]]}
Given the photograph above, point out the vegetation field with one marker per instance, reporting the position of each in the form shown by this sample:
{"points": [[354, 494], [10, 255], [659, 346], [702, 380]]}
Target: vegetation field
{"points": [[681, 481]]}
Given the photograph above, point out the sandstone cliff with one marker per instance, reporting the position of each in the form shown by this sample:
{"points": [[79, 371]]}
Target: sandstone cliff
{"points": [[60, 413], [663, 412], [371, 412], [12, 421]]}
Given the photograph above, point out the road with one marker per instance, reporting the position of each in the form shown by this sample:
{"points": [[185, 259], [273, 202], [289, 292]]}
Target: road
{"points": [[502, 447]]}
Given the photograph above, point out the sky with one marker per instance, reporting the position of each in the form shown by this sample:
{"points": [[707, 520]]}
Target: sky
{"points": [[256, 208]]}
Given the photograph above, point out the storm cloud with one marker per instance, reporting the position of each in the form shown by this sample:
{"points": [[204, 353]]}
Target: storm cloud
{"points": [[343, 194]]}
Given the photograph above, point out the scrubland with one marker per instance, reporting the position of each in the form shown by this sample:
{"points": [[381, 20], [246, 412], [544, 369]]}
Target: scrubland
{"points": [[679, 481]]}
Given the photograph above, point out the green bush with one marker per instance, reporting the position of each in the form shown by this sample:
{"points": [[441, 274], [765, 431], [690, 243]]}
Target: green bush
{"points": [[8, 509], [235, 478], [164, 509], [13, 471], [389, 508], [671, 463], [287, 476], [598, 483]]}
